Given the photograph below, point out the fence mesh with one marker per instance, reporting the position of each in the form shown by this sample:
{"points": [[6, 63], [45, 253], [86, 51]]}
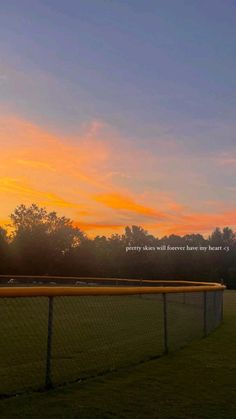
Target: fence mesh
{"points": [[185, 318], [90, 335], [214, 307], [23, 343], [103, 333]]}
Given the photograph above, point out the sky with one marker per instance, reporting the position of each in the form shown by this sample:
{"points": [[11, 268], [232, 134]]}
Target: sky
{"points": [[116, 113]]}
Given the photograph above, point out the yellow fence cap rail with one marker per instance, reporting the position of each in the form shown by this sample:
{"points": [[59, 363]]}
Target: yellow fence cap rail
{"points": [[54, 291]]}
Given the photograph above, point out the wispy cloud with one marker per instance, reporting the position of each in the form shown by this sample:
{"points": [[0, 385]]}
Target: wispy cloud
{"points": [[224, 158], [19, 189], [122, 202]]}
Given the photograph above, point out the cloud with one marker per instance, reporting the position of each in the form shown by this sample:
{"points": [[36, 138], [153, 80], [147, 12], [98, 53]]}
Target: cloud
{"points": [[34, 164], [228, 161], [27, 148], [20, 189], [39, 166], [121, 202], [200, 222], [100, 226]]}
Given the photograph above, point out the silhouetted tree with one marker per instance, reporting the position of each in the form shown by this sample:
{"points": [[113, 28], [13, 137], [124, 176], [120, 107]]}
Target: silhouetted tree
{"points": [[4, 251], [41, 239]]}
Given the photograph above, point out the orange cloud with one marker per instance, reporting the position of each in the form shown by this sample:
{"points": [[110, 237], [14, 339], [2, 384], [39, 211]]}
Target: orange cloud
{"points": [[34, 164], [122, 202], [43, 166], [198, 222], [24, 144], [98, 226], [13, 186], [180, 224]]}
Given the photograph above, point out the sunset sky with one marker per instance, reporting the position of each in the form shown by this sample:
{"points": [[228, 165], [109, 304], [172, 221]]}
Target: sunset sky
{"points": [[120, 112]]}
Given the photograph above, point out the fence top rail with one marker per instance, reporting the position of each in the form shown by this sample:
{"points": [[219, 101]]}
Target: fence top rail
{"points": [[46, 278], [103, 291]]}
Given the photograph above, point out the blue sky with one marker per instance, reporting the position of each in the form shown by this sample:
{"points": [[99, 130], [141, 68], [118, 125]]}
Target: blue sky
{"points": [[158, 61]]}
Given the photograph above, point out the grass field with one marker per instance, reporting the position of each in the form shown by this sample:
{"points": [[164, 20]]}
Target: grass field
{"points": [[91, 335], [196, 382]]}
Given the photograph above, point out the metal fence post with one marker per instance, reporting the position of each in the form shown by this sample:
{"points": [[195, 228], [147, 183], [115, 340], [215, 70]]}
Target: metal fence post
{"points": [[165, 324], [204, 314], [222, 305], [48, 379]]}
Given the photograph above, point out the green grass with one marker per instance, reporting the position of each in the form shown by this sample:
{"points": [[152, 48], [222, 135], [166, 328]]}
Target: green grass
{"points": [[91, 335], [197, 382]]}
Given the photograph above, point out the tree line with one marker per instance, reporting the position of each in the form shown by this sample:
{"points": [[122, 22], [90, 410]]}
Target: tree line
{"points": [[39, 242]]}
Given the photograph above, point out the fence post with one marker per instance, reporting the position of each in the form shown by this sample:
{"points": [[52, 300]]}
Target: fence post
{"points": [[222, 305], [165, 324], [204, 314], [48, 380]]}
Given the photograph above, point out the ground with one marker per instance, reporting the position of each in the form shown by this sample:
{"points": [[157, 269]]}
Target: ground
{"points": [[198, 381]]}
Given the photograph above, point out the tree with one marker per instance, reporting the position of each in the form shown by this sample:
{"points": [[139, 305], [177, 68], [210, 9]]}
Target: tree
{"points": [[137, 236], [228, 236], [41, 239], [4, 251], [216, 238]]}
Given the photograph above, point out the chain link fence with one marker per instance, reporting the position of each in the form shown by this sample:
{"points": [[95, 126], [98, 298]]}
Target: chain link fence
{"points": [[50, 341]]}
